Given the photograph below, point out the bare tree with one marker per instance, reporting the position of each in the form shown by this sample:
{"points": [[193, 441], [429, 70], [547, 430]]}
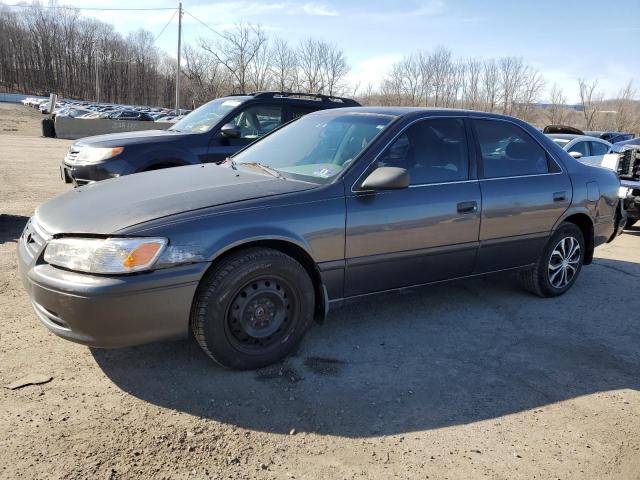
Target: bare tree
{"points": [[335, 69], [589, 100], [284, 66], [206, 78], [471, 85], [310, 59], [490, 86], [626, 119], [528, 93], [238, 50], [556, 113]]}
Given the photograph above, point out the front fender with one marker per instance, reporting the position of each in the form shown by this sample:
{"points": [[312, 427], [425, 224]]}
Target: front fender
{"points": [[249, 236]]}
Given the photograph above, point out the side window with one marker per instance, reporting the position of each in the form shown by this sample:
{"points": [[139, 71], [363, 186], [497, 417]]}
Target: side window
{"points": [[298, 111], [580, 147], [508, 151], [598, 148], [258, 120], [433, 151]]}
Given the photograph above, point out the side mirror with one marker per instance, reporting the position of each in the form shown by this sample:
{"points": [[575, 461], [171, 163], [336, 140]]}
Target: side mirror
{"points": [[387, 178], [231, 130], [575, 155]]}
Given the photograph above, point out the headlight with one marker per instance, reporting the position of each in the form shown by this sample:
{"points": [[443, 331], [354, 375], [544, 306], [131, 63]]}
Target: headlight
{"points": [[94, 154], [104, 255]]}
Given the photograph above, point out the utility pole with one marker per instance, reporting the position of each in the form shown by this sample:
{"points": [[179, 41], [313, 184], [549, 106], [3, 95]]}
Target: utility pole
{"points": [[179, 49], [97, 79]]}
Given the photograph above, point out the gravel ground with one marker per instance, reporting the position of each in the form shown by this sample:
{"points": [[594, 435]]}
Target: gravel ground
{"points": [[473, 379]]}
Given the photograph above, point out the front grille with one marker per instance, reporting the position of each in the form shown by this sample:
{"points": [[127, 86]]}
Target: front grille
{"points": [[629, 164], [34, 237]]}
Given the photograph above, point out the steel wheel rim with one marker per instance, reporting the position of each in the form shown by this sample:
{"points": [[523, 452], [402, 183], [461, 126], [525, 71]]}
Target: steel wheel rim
{"points": [[261, 315], [564, 262]]}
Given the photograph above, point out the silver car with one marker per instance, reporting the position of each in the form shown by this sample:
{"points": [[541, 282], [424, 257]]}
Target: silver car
{"points": [[589, 150]]}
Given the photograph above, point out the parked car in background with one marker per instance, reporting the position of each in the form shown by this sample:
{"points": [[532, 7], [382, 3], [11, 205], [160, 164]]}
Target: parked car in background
{"points": [[73, 112], [587, 149], [337, 205], [44, 107], [622, 157], [611, 137], [627, 164], [209, 134], [129, 115]]}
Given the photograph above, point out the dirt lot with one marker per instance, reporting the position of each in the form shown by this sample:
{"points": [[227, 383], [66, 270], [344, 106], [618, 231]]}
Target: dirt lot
{"points": [[473, 379]]}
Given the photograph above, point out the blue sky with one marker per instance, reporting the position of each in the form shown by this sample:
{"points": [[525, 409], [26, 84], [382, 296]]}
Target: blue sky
{"points": [[564, 39]]}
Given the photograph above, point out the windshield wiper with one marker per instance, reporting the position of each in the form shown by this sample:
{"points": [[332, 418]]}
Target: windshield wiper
{"points": [[269, 170]]}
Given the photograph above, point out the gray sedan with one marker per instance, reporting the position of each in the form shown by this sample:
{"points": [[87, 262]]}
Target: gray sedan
{"points": [[337, 205]]}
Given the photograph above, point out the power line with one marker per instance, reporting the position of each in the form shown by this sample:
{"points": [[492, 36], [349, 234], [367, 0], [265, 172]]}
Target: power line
{"points": [[70, 7], [204, 24], [165, 27]]}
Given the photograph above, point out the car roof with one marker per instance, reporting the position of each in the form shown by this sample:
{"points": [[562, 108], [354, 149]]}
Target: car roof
{"points": [[408, 111]]}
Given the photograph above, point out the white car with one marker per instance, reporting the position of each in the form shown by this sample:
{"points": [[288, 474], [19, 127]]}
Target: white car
{"points": [[589, 150]]}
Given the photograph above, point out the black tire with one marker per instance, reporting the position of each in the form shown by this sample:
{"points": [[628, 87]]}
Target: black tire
{"points": [[538, 280], [242, 300], [630, 222]]}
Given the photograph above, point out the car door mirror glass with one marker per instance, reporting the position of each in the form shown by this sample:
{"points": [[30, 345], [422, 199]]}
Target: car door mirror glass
{"points": [[231, 130], [575, 155], [387, 178]]}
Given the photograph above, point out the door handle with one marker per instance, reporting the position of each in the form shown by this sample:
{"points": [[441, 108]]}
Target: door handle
{"points": [[467, 207], [559, 196]]}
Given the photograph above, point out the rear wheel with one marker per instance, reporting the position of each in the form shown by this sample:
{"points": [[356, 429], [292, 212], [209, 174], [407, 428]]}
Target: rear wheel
{"points": [[559, 265], [253, 308]]}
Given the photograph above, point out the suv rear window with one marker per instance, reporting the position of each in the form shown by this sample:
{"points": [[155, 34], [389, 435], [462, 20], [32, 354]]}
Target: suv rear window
{"points": [[508, 151]]}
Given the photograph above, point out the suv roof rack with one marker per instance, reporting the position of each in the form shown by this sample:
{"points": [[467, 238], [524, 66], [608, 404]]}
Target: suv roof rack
{"points": [[307, 96]]}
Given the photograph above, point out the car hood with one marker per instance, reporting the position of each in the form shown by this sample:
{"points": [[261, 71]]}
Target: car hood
{"points": [[109, 206], [123, 139]]}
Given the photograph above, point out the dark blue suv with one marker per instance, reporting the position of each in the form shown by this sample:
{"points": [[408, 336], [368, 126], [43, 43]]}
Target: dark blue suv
{"points": [[208, 134]]}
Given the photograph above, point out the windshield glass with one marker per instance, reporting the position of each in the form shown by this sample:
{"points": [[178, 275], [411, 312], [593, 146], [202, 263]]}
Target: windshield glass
{"points": [[316, 147], [561, 141], [204, 118]]}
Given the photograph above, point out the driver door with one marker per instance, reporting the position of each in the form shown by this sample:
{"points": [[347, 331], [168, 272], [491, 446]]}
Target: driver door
{"points": [[254, 121], [420, 234]]}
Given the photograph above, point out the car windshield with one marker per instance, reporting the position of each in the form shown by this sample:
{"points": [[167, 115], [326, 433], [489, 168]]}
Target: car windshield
{"points": [[561, 141], [316, 147], [204, 118]]}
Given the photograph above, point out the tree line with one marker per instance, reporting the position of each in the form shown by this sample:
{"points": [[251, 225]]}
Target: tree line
{"points": [[60, 51], [57, 51]]}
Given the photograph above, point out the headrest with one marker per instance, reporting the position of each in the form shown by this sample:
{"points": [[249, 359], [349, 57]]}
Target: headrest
{"points": [[520, 150]]}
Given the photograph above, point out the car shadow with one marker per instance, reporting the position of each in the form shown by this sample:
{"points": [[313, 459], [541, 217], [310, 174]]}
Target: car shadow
{"points": [[11, 227], [445, 355]]}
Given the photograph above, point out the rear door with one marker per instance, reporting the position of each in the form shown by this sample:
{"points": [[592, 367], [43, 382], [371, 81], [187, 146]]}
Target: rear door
{"points": [[524, 192]]}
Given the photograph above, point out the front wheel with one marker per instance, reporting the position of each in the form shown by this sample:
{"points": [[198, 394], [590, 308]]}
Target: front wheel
{"points": [[630, 223], [559, 265], [252, 308]]}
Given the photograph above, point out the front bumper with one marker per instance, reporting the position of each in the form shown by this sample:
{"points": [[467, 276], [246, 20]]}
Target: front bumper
{"points": [[110, 311], [630, 194]]}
